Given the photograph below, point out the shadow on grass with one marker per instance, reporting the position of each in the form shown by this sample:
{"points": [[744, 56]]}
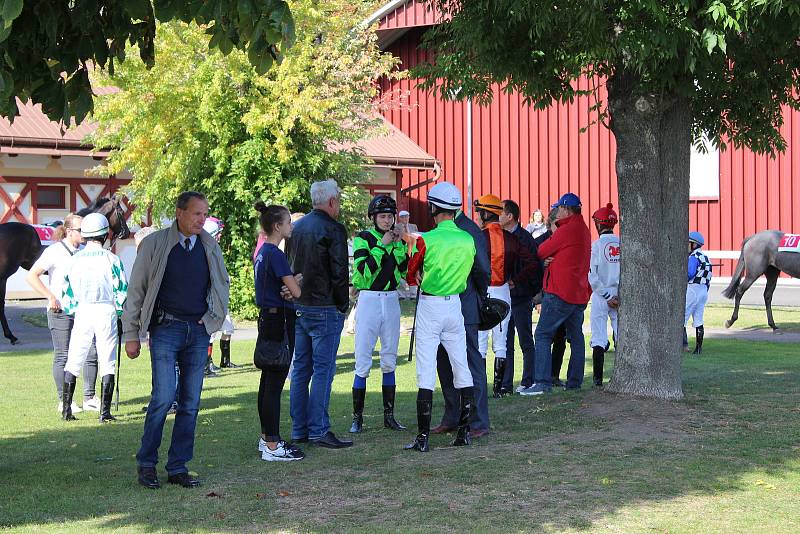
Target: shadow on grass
{"points": [[564, 460]]}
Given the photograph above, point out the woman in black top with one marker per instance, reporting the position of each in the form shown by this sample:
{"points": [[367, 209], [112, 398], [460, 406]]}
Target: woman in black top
{"points": [[276, 320]]}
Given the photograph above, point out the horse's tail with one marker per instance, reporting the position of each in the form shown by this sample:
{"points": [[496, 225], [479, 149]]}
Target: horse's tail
{"points": [[736, 279]]}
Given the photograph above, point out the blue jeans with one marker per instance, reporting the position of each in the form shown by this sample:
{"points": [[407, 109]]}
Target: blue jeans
{"points": [[556, 312], [187, 344], [522, 321], [317, 335]]}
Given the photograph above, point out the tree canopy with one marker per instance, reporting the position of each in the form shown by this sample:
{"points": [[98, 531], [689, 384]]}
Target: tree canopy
{"points": [[49, 47], [674, 70], [210, 122]]}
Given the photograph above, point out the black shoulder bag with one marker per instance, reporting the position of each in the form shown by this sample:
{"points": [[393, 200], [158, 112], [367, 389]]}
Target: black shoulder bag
{"points": [[270, 354]]}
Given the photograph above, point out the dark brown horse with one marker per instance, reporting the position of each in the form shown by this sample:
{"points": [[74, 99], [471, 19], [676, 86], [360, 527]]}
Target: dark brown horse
{"points": [[760, 256], [20, 246]]}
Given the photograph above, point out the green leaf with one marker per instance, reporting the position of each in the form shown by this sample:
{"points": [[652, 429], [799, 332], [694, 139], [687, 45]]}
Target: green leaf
{"points": [[138, 9], [11, 10]]}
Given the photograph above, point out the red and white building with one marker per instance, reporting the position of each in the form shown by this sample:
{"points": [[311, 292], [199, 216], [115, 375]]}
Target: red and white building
{"points": [[514, 151], [47, 172]]}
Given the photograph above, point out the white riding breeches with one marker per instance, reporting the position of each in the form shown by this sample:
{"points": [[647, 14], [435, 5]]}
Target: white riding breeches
{"points": [[696, 298], [377, 317], [499, 332], [98, 322], [226, 331], [439, 321], [598, 318]]}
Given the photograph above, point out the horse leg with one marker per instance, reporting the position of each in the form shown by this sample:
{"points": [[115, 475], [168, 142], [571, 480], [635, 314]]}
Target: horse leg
{"points": [[772, 281], [740, 291], [6, 330]]}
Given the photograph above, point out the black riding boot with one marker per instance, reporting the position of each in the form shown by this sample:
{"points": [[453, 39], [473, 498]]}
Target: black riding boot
{"points": [[424, 408], [462, 435], [66, 396], [699, 332], [225, 357], [598, 355], [388, 409], [499, 372], [358, 410], [211, 369], [106, 394], [685, 341]]}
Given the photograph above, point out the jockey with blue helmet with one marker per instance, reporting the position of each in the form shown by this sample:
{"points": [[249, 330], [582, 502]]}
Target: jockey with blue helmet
{"points": [[699, 280]]}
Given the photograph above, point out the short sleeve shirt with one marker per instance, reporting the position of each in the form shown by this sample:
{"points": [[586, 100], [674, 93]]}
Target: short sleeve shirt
{"points": [[55, 260], [270, 267]]}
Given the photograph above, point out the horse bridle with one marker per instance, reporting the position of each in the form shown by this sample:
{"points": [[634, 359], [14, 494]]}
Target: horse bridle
{"points": [[120, 217]]}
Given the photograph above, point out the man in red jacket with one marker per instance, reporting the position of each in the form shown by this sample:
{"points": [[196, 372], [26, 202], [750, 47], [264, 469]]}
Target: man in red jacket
{"points": [[566, 292]]}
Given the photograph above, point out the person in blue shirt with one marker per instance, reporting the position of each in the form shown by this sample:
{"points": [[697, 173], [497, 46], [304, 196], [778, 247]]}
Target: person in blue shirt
{"points": [[699, 280], [276, 319]]}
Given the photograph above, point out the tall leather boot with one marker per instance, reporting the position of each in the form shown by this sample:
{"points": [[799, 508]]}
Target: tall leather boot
{"points": [[358, 410], [462, 435], [499, 371], [66, 396], [598, 356], [388, 409], [211, 369], [106, 394], [699, 332], [225, 355], [685, 341], [424, 408]]}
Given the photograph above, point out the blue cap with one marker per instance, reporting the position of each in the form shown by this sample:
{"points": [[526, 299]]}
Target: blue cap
{"points": [[697, 237], [568, 199]]}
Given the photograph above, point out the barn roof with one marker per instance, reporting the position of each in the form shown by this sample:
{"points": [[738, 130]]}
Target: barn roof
{"points": [[391, 148], [397, 17]]}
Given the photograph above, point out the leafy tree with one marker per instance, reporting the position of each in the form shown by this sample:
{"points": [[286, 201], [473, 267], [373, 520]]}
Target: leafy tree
{"points": [[674, 70], [49, 47], [200, 120]]}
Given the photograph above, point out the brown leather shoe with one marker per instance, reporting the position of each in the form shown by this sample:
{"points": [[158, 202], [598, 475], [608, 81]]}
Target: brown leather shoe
{"points": [[442, 429], [476, 433]]}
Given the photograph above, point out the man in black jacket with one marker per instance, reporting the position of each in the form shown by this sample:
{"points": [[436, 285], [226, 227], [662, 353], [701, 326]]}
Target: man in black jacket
{"points": [[521, 300], [477, 285], [318, 251]]}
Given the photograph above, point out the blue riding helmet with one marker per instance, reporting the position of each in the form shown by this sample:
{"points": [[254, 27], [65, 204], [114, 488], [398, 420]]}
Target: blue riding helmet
{"points": [[697, 237]]}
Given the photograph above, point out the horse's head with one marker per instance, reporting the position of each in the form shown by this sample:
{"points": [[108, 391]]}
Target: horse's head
{"points": [[112, 209]]}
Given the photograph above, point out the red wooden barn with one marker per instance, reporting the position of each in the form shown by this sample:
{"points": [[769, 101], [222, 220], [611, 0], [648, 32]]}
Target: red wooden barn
{"points": [[511, 150]]}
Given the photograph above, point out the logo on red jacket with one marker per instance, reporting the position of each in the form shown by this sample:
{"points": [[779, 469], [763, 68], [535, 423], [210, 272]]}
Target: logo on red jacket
{"points": [[612, 253]]}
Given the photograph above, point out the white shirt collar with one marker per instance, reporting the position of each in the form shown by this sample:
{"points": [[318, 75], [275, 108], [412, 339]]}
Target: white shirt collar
{"points": [[192, 239]]}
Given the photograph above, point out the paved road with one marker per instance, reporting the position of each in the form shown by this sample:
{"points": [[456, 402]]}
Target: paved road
{"points": [[783, 296]]}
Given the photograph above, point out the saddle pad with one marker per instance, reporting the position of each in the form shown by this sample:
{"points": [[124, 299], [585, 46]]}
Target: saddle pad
{"points": [[789, 243], [45, 233]]}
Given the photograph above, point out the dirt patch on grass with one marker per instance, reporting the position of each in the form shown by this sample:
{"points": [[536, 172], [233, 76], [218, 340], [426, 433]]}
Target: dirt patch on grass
{"points": [[637, 420]]}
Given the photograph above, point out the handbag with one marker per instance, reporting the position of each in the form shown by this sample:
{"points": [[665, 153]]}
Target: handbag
{"points": [[270, 354], [492, 312]]}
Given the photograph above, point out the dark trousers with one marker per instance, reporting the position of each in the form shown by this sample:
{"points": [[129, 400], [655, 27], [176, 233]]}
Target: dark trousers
{"points": [[60, 326], [452, 396], [559, 348], [522, 321], [272, 380]]}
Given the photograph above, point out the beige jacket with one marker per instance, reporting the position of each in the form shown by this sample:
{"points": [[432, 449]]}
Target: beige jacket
{"points": [[148, 271]]}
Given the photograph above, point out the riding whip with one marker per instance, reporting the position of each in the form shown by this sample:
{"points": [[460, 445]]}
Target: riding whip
{"points": [[119, 360], [413, 326]]}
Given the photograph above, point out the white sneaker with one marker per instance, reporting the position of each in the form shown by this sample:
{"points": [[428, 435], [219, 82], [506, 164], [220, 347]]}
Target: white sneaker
{"points": [[282, 453], [92, 404], [75, 408], [520, 388], [262, 445]]}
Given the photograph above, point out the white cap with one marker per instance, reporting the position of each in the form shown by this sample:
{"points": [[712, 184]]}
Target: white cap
{"points": [[445, 195], [403, 213]]}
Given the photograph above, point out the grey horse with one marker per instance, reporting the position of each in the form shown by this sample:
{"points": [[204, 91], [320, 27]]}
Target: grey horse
{"points": [[760, 256]]}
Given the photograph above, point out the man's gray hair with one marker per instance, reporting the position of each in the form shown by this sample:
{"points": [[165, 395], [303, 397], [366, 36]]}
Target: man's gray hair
{"points": [[322, 192], [183, 199]]}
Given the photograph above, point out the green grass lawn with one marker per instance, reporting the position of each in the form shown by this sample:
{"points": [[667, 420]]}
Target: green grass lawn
{"points": [[727, 459]]}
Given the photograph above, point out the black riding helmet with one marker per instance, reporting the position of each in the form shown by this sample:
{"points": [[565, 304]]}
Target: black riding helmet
{"points": [[381, 204]]}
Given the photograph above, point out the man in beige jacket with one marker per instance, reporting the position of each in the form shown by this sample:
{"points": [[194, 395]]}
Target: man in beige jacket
{"points": [[178, 292]]}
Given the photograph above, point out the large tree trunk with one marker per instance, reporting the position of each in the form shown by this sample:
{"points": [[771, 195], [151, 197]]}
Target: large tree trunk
{"points": [[653, 134]]}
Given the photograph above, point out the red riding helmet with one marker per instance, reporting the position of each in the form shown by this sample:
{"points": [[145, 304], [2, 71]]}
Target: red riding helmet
{"points": [[606, 215]]}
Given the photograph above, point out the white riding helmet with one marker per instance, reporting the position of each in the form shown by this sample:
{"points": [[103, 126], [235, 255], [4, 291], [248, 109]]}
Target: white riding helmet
{"points": [[445, 195], [212, 226], [93, 225]]}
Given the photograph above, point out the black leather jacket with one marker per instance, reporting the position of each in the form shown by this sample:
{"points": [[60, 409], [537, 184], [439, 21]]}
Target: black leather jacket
{"points": [[318, 250]]}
